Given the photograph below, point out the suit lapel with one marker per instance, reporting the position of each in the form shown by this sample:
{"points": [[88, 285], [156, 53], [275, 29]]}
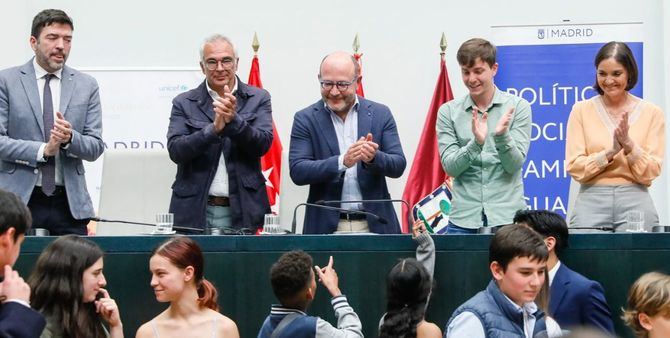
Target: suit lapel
{"points": [[325, 126], [241, 94], [67, 85], [32, 93], [204, 101], [364, 118], [559, 286]]}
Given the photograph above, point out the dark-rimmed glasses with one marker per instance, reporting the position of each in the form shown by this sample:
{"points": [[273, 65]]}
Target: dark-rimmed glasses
{"points": [[226, 63], [341, 85]]}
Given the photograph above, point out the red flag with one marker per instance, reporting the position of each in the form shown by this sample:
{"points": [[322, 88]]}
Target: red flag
{"points": [[359, 87], [271, 161], [427, 173]]}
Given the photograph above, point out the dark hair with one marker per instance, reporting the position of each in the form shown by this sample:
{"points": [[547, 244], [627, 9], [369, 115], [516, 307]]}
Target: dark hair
{"points": [[290, 275], [620, 52], [513, 241], [57, 290], [476, 48], [48, 17], [184, 252], [408, 287], [13, 214], [546, 223]]}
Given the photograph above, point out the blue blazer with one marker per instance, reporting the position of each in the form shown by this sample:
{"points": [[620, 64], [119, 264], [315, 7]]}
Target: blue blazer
{"points": [[22, 133], [195, 148], [20, 321], [578, 301], [313, 160]]}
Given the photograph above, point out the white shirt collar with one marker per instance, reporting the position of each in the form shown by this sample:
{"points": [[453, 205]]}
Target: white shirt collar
{"points": [[528, 308], [214, 94], [40, 72], [553, 271]]}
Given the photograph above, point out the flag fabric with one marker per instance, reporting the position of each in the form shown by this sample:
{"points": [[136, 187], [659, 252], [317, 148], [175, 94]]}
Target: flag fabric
{"points": [[359, 86], [426, 174], [271, 161]]}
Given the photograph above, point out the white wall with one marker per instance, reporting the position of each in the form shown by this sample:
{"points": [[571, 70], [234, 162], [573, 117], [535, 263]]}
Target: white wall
{"points": [[399, 42]]}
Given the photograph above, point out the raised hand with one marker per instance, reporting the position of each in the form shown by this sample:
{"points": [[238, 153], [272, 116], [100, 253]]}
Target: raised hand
{"points": [[353, 154], [504, 122], [418, 228], [328, 277], [621, 134], [13, 286], [479, 126], [368, 149], [225, 108], [108, 310]]}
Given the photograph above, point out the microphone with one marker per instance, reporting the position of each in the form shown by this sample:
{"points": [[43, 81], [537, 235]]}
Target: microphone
{"points": [[409, 213], [98, 219], [601, 228], [377, 218]]}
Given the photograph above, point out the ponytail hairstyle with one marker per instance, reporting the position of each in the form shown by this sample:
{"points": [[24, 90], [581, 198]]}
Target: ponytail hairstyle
{"points": [[408, 287], [56, 285], [183, 252]]}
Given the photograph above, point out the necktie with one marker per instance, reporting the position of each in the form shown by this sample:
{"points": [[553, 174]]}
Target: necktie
{"points": [[49, 168]]}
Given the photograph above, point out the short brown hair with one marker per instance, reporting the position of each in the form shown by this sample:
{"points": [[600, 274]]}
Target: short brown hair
{"points": [[650, 294], [513, 241], [48, 17], [620, 52], [476, 48]]}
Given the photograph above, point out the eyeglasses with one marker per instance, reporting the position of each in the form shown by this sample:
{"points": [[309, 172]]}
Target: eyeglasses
{"points": [[226, 63], [341, 85]]}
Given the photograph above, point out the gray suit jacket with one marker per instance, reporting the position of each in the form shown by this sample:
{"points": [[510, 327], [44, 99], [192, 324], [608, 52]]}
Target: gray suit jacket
{"points": [[21, 133]]}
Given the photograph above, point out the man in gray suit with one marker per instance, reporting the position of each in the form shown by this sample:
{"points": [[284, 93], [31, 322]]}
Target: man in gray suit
{"points": [[50, 120]]}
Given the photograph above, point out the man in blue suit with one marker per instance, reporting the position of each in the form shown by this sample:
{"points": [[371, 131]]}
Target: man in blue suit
{"points": [[217, 135], [50, 120], [17, 319], [344, 147], [574, 299]]}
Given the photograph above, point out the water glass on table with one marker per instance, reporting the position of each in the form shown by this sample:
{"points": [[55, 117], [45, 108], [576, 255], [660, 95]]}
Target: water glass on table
{"points": [[635, 221], [164, 223], [271, 224]]}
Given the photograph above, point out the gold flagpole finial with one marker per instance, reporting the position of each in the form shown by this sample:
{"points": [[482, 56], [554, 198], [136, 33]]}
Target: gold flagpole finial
{"points": [[356, 45], [443, 44], [255, 44]]}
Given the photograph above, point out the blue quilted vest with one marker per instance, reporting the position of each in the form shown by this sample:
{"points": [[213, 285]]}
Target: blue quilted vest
{"points": [[498, 316]]}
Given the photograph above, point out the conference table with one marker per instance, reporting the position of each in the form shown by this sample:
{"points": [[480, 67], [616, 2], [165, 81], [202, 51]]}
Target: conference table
{"points": [[239, 267]]}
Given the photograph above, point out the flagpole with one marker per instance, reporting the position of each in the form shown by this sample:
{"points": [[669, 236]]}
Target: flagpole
{"points": [[356, 45]]}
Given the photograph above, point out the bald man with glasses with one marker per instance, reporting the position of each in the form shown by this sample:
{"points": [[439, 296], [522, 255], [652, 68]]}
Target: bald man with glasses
{"points": [[217, 135], [343, 147]]}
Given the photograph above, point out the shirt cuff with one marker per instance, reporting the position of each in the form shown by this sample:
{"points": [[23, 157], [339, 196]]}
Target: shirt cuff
{"points": [[634, 155], [40, 153], [16, 300], [339, 302], [340, 163], [601, 159], [502, 140]]}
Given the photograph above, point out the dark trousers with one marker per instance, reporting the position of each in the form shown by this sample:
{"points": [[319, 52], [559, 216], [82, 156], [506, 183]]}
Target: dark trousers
{"points": [[53, 213]]}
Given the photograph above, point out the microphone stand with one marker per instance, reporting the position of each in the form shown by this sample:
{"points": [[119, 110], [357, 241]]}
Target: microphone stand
{"points": [[102, 220], [357, 212], [409, 210]]}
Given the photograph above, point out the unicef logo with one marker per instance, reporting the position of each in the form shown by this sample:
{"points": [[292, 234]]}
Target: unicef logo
{"points": [[173, 88], [540, 33]]}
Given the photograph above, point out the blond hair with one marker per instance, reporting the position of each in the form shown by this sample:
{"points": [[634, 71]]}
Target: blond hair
{"points": [[650, 294]]}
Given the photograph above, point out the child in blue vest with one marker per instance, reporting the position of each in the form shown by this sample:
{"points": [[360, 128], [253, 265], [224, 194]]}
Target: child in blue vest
{"points": [[506, 308], [294, 284]]}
